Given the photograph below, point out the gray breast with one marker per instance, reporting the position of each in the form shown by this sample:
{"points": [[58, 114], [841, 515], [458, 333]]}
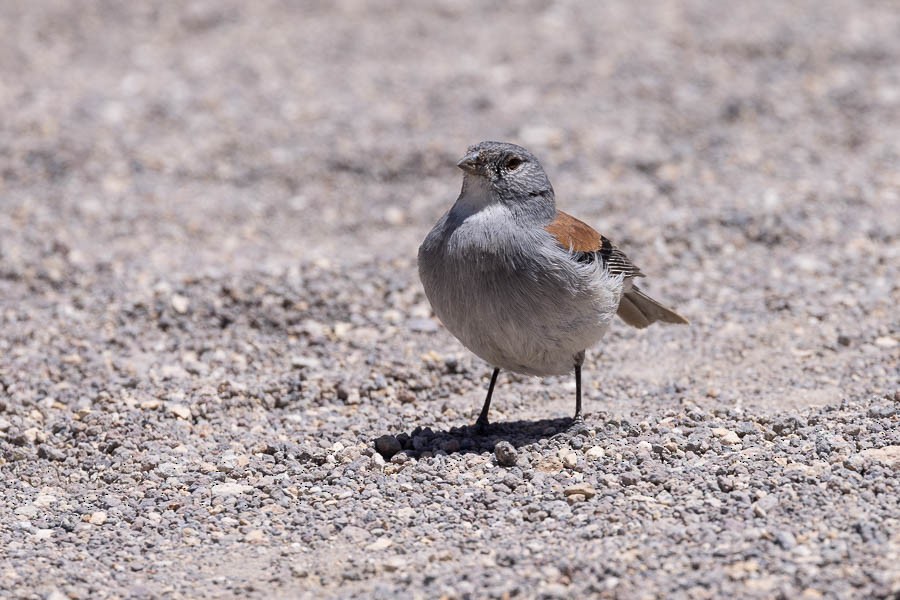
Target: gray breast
{"points": [[513, 297]]}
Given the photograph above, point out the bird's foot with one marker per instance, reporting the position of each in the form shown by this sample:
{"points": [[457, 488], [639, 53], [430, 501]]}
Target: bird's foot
{"points": [[481, 426], [577, 427]]}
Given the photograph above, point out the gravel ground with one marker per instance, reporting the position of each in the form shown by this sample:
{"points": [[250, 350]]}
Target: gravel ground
{"points": [[219, 376]]}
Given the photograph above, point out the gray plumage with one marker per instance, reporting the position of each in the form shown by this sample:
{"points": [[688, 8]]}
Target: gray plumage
{"points": [[503, 282]]}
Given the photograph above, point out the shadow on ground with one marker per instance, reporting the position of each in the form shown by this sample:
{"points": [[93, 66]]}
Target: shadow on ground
{"points": [[470, 439]]}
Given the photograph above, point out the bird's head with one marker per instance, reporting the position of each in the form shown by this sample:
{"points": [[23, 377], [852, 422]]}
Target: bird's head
{"points": [[510, 172]]}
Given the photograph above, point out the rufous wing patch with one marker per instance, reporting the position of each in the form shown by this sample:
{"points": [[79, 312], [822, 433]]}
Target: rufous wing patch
{"points": [[587, 245], [574, 235]]}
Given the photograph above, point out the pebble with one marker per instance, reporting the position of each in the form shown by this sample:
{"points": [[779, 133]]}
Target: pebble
{"points": [[785, 539], [230, 489], [629, 478], [394, 563], [43, 534], [595, 453], [180, 304], [51, 453], [180, 411], [581, 489], [387, 446], [886, 342], [506, 454], [888, 456], [255, 536], [569, 459], [727, 436], [380, 544], [27, 511]]}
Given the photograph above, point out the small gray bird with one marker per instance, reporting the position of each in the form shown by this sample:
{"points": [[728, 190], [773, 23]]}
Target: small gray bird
{"points": [[525, 286]]}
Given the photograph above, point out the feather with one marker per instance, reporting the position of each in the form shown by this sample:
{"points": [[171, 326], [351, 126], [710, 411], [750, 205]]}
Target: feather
{"points": [[639, 310], [588, 246]]}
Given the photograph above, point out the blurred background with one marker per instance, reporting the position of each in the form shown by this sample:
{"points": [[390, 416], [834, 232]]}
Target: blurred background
{"points": [[746, 156], [187, 135]]}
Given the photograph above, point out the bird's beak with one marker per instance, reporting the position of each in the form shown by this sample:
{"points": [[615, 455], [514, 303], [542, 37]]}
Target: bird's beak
{"points": [[469, 163]]}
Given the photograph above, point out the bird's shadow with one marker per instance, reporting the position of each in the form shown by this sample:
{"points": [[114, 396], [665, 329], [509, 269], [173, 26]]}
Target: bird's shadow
{"points": [[424, 441]]}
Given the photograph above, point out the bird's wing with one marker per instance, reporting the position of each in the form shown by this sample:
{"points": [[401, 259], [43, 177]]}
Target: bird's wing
{"points": [[586, 245]]}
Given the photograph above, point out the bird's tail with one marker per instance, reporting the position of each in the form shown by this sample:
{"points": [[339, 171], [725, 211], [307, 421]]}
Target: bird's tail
{"points": [[639, 310]]}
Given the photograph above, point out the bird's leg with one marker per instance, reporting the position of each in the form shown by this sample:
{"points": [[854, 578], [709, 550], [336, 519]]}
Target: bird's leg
{"points": [[482, 422], [578, 420]]}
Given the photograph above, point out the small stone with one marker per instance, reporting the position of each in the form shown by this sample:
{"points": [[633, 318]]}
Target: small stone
{"points": [[381, 543], [44, 500], [407, 512], [230, 489], [888, 456], [51, 453], [422, 325], [353, 396], [575, 498], [305, 362], [394, 563], [56, 594], [98, 518], [886, 342], [230, 461], [727, 436], [255, 536], [570, 460], [387, 446], [173, 371], [595, 453], [180, 304], [629, 478], [342, 329], [506, 454], [28, 511], [549, 465], [855, 462], [180, 410], [785, 539], [762, 506], [406, 397], [581, 489]]}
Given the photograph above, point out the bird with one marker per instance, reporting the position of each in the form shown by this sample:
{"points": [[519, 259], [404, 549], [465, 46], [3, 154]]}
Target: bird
{"points": [[523, 285]]}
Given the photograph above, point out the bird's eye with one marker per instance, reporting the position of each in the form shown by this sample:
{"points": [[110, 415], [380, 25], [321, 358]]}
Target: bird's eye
{"points": [[513, 163]]}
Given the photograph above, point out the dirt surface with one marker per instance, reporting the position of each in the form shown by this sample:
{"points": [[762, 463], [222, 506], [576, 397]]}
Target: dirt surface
{"points": [[219, 376]]}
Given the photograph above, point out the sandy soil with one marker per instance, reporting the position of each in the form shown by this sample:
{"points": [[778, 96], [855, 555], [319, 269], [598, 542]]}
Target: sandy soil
{"points": [[209, 213]]}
